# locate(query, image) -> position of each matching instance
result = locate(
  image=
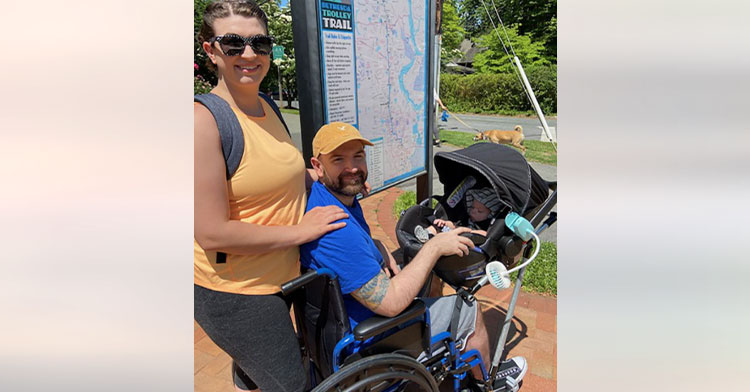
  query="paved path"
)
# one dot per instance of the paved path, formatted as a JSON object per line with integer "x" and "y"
{"x": 533, "y": 333}
{"x": 532, "y": 127}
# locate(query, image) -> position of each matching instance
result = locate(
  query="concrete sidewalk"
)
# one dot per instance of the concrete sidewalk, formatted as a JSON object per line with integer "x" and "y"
{"x": 533, "y": 333}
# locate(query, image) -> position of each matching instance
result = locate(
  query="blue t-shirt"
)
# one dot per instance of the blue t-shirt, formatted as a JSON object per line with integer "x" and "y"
{"x": 349, "y": 251}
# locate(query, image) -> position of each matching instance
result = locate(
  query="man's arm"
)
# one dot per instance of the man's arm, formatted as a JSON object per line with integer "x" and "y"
{"x": 389, "y": 297}
{"x": 389, "y": 262}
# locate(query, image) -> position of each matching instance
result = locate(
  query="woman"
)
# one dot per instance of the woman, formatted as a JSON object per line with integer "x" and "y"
{"x": 256, "y": 217}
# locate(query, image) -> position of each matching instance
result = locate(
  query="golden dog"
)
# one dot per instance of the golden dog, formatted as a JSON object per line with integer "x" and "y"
{"x": 514, "y": 138}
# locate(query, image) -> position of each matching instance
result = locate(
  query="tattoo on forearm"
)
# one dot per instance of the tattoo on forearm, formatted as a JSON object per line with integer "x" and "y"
{"x": 371, "y": 294}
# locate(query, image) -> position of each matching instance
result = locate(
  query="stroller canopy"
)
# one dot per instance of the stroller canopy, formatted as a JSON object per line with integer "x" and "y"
{"x": 516, "y": 183}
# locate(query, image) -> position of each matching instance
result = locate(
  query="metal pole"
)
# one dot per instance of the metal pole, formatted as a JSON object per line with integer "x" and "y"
{"x": 533, "y": 100}
{"x": 438, "y": 44}
{"x": 281, "y": 97}
{"x": 424, "y": 181}
{"x": 309, "y": 84}
{"x": 506, "y": 324}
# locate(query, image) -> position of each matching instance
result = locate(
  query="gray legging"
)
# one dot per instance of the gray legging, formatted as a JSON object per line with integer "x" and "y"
{"x": 257, "y": 332}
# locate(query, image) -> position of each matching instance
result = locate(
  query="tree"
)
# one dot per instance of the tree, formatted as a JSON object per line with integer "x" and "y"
{"x": 203, "y": 74}
{"x": 280, "y": 27}
{"x": 536, "y": 18}
{"x": 495, "y": 60}
{"x": 453, "y": 33}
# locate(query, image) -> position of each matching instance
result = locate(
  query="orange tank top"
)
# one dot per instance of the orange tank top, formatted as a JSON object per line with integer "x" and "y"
{"x": 267, "y": 189}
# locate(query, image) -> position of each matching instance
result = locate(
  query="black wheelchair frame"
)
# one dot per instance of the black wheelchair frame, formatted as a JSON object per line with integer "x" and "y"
{"x": 380, "y": 353}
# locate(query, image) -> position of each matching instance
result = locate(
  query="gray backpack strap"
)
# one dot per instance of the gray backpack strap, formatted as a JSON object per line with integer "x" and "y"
{"x": 232, "y": 139}
{"x": 230, "y": 132}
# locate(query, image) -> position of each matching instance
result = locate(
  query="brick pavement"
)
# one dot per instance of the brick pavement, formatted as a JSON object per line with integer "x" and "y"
{"x": 533, "y": 333}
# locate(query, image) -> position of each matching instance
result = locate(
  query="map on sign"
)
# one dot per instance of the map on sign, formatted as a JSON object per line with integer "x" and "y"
{"x": 374, "y": 56}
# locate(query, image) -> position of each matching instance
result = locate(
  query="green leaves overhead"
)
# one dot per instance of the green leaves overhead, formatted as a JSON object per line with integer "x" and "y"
{"x": 494, "y": 59}
{"x": 453, "y": 33}
{"x": 536, "y": 19}
{"x": 280, "y": 27}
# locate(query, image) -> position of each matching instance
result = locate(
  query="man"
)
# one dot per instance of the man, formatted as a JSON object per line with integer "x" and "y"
{"x": 369, "y": 276}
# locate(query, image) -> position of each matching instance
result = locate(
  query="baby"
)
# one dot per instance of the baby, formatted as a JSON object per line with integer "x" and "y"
{"x": 482, "y": 206}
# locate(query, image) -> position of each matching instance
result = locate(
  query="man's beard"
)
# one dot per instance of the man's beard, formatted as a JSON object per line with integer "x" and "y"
{"x": 347, "y": 185}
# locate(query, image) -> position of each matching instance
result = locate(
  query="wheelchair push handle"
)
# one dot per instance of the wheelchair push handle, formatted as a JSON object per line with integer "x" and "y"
{"x": 288, "y": 287}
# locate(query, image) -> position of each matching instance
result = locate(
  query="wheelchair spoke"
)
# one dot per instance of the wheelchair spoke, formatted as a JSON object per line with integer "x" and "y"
{"x": 380, "y": 373}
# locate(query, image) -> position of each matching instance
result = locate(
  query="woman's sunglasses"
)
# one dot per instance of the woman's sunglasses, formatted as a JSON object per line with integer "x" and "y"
{"x": 234, "y": 45}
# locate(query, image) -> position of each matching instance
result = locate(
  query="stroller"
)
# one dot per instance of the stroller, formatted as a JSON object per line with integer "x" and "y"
{"x": 520, "y": 190}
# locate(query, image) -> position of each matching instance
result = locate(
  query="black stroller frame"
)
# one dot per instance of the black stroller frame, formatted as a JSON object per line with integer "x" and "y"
{"x": 383, "y": 354}
{"x": 519, "y": 188}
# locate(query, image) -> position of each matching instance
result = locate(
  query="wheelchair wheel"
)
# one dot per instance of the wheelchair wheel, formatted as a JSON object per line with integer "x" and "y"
{"x": 391, "y": 372}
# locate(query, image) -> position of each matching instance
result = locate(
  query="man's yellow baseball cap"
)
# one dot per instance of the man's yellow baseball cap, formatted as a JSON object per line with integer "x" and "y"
{"x": 331, "y": 136}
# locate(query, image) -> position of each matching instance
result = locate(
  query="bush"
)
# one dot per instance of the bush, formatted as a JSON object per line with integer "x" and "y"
{"x": 500, "y": 93}
{"x": 200, "y": 85}
{"x": 200, "y": 59}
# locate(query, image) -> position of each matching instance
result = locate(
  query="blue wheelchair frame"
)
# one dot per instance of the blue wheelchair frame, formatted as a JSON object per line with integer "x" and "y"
{"x": 440, "y": 362}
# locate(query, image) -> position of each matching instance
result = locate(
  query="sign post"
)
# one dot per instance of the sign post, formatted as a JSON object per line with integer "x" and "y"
{"x": 369, "y": 64}
{"x": 278, "y": 55}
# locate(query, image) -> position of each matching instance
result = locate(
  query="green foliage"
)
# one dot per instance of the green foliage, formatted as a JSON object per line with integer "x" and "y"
{"x": 200, "y": 58}
{"x": 200, "y": 85}
{"x": 543, "y": 81}
{"x": 494, "y": 59}
{"x": 294, "y": 111}
{"x": 535, "y": 18}
{"x": 473, "y": 16}
{"x": 549, "y": 36}
{"x": 500, "y": 93}
{"x": 541, "y": 274}
{"x": 280, "y": 27}
{"x": 452, "y": 35}
{"x": 404, "y": 201}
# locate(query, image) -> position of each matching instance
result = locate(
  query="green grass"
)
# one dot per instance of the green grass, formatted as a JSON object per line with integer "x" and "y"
{"x": 541, "y": 274}
{"x": 404, "y": 201}
{"x": 536, "y": 151}
{"x": 290, "y": 111}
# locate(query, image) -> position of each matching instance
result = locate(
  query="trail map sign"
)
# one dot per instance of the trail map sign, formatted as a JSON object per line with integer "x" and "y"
{"x": 374, "y": 61}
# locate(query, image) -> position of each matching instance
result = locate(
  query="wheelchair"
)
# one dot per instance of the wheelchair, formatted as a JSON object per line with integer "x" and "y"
{"x": 399, "y": 353}
{"x": 380, "y": 353}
